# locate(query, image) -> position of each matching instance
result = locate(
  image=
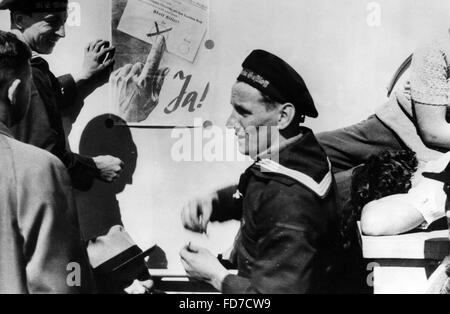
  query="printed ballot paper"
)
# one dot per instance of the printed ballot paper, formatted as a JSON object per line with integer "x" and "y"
{"x": 182, "y": 22}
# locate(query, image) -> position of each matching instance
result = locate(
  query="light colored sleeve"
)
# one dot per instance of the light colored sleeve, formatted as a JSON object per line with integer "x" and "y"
{"x": 428, "y": 197}
{"x": 429, "y": 75}
{"x": 55, "y": 259}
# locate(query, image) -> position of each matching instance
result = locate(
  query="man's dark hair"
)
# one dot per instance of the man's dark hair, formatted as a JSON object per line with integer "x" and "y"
{"x": 383, "y": 175}
{"x": 14, "y": 57}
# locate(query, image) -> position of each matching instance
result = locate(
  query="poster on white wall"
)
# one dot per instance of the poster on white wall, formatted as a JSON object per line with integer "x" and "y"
{"x": 182, "y": 89}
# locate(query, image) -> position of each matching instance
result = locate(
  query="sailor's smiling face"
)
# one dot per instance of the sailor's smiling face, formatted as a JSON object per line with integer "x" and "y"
{"x": 41, "y": 31}
{"x": 252, "y": 120}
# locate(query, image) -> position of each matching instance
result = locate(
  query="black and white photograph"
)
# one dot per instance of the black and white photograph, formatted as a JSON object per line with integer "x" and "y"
{"x": 225, "y": 152}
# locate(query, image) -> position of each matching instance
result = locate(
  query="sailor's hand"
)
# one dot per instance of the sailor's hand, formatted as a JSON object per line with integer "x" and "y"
{"x": 196, "y": 214}
{"x": 109, "y": 168}
{"x": 136, "y": 88}
{"x": 140, "y": 287}
{"x": 201, "y": 264}
{"x": 98, "y": 63}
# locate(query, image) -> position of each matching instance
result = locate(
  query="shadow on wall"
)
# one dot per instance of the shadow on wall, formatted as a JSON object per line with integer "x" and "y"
{"x": 99, "y": 209}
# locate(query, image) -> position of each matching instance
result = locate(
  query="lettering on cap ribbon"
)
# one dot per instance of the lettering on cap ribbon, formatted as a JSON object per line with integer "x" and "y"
{"x": 258, "y": 79}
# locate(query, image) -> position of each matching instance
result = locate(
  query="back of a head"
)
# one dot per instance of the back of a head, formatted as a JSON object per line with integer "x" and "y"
{"x": 383, "y": 175}
{"x": 14, "y": 58}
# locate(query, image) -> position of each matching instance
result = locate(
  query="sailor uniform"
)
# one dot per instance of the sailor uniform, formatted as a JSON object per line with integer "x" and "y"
{"x": 42, "y": 126}
{"x": 289, "y": 236}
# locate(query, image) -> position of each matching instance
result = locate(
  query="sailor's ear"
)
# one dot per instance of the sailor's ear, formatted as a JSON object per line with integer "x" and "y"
{"x": 13, "y": 91}
{"x": 19, "y": 20}
{"x": 286, "y": 116}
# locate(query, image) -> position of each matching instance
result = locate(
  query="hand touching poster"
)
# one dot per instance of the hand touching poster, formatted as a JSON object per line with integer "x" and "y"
{"x": 135, "y": 88}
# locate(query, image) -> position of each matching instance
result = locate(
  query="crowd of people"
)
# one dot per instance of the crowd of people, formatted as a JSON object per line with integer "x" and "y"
{"x": 299, "y": 203}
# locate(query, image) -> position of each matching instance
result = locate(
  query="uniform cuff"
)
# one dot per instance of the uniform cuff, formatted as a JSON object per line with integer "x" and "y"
{"x": 233, "y": 284}
{"x": 429, "y": 214}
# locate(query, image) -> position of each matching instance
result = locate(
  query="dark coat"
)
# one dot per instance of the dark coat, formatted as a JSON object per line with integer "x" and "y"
{"x": 289, "y": 237}
{"x": 43, "y": 127}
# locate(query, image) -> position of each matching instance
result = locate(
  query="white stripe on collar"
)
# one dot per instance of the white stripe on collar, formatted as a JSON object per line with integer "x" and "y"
{"x": 35, "y": 55}
{"x": 320, "y": 188}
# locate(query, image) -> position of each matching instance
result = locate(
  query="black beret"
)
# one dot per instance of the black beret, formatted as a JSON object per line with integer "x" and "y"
{"x": 275, "y": 78}
{"x": 34, "y": 5}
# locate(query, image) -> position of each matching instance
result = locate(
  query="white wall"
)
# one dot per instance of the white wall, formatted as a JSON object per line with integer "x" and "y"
{"x": 345, "y": 62}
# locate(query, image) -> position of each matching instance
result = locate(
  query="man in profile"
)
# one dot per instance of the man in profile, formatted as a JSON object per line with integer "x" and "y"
{"x": 40, "y": 241}
{"x": 41, "y": 24}
{"x": 289, "y": 237}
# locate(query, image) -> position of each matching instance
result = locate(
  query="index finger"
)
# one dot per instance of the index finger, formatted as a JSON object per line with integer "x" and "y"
{"x": 193, "y": 214}
{"x": 193, "y": 248}
{"x": 92, "y": 44}
{"x": 102, "y": 44}
{"x": 154, "y": 58}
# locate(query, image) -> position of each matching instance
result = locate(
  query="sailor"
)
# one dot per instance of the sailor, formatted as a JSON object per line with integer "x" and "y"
{"x": 40, "y": 24}
{"x": 286, "y": 200}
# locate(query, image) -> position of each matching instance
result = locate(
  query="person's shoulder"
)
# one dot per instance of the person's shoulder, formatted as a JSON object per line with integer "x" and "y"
{"x": 316, "y": 181}
{"x": 438, "y": 45}
{"x": 443, "y": 42}
{"x": 294, "y": 205}
{"x": 33, "y": 159}
{"x": 39, "y": 63}
{"x": 297, "y": 192}
{"x": 40, "y": 72}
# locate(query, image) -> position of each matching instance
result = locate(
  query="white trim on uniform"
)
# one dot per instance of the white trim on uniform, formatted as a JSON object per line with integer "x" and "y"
{"x": 320, "y": 188}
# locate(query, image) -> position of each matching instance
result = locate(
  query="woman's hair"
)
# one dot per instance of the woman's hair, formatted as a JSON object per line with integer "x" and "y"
{"x": 385, "y": 174}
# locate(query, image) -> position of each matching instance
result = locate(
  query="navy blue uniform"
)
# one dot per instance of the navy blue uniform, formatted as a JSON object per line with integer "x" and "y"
{"x": 289, "y": 239}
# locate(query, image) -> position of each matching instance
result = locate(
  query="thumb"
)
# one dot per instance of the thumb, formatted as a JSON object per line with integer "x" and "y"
{"x": 148, "y": 284}
{"x": 192, "y": 248}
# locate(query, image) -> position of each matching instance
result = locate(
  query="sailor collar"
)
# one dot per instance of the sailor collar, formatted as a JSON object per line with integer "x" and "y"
{"x": 298, "y": 162}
